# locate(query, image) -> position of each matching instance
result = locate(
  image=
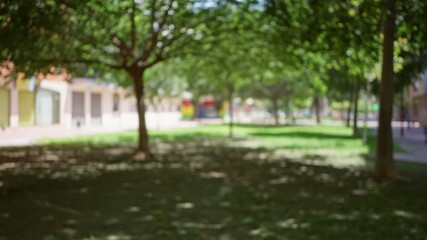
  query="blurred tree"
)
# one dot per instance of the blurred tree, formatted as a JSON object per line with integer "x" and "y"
{"x": 163, "y": 83}
{"x": 190, "y": 69}
{"x": 279, "y": 83}
{"x": 404, "y": 21}
{"x": 123, "y": 36}
{"x": 30, "y": 32}
{"x": 224, "y": 65}
{"x": 350, "y": 35}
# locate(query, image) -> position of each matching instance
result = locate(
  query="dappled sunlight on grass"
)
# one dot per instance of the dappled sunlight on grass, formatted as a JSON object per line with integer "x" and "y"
{"x": 322, "y": 145}
{"x": 202, "y": 187}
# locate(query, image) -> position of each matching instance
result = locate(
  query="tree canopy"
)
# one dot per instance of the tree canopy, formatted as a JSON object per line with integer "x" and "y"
{"x": 328, "y": 48}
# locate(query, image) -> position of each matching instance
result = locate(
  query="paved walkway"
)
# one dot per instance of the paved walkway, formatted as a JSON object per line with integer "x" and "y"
{"x": 413, "y": 142}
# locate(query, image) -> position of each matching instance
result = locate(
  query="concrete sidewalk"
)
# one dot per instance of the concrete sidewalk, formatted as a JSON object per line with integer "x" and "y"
{"x": 413, "y": 142}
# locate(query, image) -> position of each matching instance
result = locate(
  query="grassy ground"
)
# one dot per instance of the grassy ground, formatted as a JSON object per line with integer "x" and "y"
{"x": 267, "y": 183}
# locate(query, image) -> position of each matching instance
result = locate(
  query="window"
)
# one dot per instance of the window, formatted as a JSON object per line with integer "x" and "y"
{"x": 116, "y": 102}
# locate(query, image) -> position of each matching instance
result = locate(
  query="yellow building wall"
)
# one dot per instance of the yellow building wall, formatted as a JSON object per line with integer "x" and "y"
{"x": 22, "y": 84}
{"x": 4, "y": 107}
{"x": 26, "y": 108}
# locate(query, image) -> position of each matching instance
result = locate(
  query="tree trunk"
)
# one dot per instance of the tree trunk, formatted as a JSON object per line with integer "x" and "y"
{"x": 384, "y": 164}
{"x": 196, "y": 107}
{"x": 288, "y": 112}
{"x": 143, "y": 147}
{"x": 402, "y": 114}
{"x": 356, "y": 108}
{"x": 275, "y": 110}
{"x": 316, "y": 103}
{"x": 349, "y": 109}
{"x": 365, "y": 113}
{"x": 293, "y": 119}
{"x": 219, "y": 104}
{"x": 230, "y": 111}
{"x": 156, "y": 108}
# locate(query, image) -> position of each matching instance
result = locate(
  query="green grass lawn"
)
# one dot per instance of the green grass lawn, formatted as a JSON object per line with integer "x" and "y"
{"x": 305, "y": 138}
{"x": 267, "y": 183}
{"x": 314, "y": 144}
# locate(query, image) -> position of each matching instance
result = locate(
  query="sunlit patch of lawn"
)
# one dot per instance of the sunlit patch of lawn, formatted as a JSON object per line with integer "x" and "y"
{"x": 319, "y": 145}
{"x": 294, "y": 137}
{"x": 325, "y": 145}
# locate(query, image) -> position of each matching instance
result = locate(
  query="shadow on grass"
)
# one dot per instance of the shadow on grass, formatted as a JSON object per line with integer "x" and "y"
{"x": 314, "y": 157}
{"x": 257, "y": 126}
{"x": 102, "y": 141}
{"x": 304, "y": 134}
{"x": 203, "y": 188}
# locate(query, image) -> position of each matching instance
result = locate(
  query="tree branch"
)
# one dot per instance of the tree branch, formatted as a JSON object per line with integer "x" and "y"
{"x": 133, "y": 26}
{"x": 155, "y": 34}
{"x": 124, "y": 50}
{"x": 159, "y": 57}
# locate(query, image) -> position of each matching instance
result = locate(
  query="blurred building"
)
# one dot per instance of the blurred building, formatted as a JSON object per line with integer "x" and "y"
{"x": 79, "y": 102}
{"x": 418, "y": 98}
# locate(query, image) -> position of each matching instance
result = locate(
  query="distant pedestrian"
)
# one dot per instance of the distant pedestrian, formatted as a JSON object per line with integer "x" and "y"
{"x": 408, "y": 118}
{"x": 423, "y": 122}
{"x": 425, "y": 133}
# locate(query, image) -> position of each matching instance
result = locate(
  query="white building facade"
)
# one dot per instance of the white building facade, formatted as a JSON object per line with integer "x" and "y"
{"x": 79, "y": 103}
